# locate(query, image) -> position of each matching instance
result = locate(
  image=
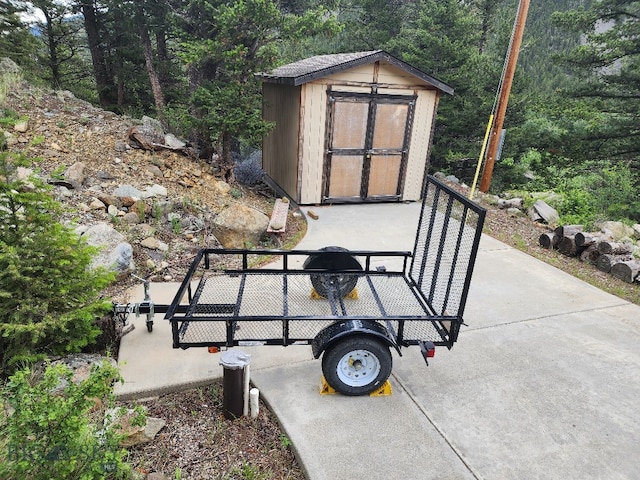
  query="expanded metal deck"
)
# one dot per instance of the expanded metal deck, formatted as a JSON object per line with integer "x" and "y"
{"x": 420, "y": 298}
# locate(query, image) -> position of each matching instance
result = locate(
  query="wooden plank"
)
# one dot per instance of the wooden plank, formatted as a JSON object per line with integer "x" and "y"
{"x": 278, "y": 221}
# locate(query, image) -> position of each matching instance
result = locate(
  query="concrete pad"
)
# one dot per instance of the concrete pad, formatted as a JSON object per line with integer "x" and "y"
{"x": 339, "y": 437}
{"x": 543, "y": 383}
{"x": 510, "y": 286}
{"x": 150, "y": 366}
{"x": 384, "y": 226}
{"x": 554, "y": 397}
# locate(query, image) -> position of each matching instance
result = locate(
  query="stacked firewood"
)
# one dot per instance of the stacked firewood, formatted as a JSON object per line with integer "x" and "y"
{"x": 597, "y": 248}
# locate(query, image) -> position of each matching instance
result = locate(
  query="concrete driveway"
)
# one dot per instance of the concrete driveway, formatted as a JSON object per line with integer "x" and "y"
{"x": 543, "y": 383}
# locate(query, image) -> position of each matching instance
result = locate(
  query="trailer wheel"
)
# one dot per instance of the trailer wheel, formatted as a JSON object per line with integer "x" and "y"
{"x": 357, "y": 365}
{"x": 342, "y": 283}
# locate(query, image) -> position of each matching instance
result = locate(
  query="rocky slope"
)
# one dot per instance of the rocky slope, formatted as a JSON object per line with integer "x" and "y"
{"x": 152, "y": 208}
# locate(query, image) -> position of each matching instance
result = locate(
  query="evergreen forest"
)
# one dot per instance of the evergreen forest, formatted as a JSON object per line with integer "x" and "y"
{"x": 571, "y": 126}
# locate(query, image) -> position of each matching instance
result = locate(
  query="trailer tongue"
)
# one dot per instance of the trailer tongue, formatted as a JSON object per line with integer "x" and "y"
{"x": 352, "y": 307}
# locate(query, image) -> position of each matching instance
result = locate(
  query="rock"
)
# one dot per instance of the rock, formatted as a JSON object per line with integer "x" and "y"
{"x": 97, "y": 205}
{"x": 155, "y": 190}
{"x": 80, "y": 365}
{"x": 9, "y": 66}
{"x": 636, "y": 229}
{"x": 121, "y": 259}
{"x": 110, "y": 200}
{"x": 10, "y": 139}
{"x": 102, "y": 175}
{"x": 127, "y": 191}
{"x": 452, "y": 179}
{"x": 23, "y": 174}
{"x": 173, "y": 142}
{"x": 153, "y": 243}
{"x": 617, "y": 230}
{"x": 120, "y": 147}
{"x": 546, "y": 212}
{"x": 222, "y": 188}
{"x": 131, "y": 218}
{"x": 239, "y": 226}
{"x": 134, "y": 434}
{"x": 514, "y": 211}
{"x": 112, "y": 253}
{"x": 154, "y": 170}
{"x": 152, "y": 124}
{"x": 113, "y": 210}
{"x": 21, "y": 127}
{"x": 75, "y": 175}
{"x": 156, "y": 476}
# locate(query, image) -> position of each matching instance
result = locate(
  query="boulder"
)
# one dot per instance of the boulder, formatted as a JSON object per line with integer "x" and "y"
{"x": 114, "y": 250}
{"x": 617, "y": 230}
{"x": 8, "y": 66}
{"x": 75, "y": 175}
{"x": 548, "y": 214}
{"x": 134, "y": 434}
{"x": 81, "y": 364}
{"x": 239, "y": 226}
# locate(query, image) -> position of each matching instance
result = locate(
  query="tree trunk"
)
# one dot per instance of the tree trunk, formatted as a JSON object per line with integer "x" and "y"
{"x": 567, "y": 246}
{"x": 606, "y": 261}
{"x": 626, "y": 271}
{"x": 104, "y": 82}
{"x": 568, "y": 230}
{"x": 156, "y": 88}
{"x": 613, "y": 248}
{"x": 587, "y": 239}
{"x": 590, "y": 255}
{"x": 226, "y": 159}
{"x": 53, "y": 54}
{"x": 548, "y": 240}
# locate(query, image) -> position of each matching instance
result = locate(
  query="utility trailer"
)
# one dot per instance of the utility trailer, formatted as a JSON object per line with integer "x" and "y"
{"x": 349, "y": 306}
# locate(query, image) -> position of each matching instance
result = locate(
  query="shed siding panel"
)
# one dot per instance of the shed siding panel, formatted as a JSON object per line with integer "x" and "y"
{"x": 280, "y": 146}
{"x": 314, "y": 116}
{"x": 420, "y": 143}
{"x": 387, "y": 75}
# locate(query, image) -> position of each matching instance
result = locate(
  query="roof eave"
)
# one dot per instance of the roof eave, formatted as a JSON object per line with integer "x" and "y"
{"x": 374, "y": 57}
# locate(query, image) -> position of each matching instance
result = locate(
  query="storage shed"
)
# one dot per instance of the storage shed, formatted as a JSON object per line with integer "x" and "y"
{"x": 349, "y": 127}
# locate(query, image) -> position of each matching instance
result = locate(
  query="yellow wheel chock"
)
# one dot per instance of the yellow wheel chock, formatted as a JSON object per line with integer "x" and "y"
{"x": 384, "y": 390}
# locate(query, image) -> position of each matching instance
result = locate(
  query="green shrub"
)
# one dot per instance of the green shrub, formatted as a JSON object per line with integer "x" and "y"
{"x": 53, "y": 428}
{"x": 49, "y": 297}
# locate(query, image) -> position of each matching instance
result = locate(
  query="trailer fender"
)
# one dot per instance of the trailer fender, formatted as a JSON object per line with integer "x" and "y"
{"x": 343, "y": 329}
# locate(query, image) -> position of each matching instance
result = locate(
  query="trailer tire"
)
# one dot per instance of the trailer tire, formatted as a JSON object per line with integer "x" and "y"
{"x": 342, "y": 283}
{"x": 357, "y": 365}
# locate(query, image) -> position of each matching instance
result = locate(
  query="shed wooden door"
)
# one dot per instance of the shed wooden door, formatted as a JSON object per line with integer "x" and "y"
{"x": 367, "y": 141}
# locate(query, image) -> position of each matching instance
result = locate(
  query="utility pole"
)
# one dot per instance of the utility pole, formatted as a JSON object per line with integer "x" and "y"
{"x": 503, "y": 100}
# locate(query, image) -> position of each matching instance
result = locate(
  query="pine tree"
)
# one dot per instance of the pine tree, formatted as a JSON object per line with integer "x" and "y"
{"x": 49, "y": 297}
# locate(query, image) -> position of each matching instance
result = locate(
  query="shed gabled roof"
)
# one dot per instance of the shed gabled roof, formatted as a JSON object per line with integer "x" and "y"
{"x": 312, "y": 68}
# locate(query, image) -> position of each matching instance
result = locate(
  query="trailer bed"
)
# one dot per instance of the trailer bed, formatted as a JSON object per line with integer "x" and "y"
{"x": 414, "y": 296}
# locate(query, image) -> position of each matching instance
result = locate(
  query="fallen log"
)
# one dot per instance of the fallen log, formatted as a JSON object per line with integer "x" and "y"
{"x": 548, "y": 240}
{"x": 614, "y": 248}
{"x": 510, "y": 203}
{"x": 590, "y": 254}
{"x": 606, "y": 261}
{"x": 626, "y": 271}
{"x": 567, "y": 246}
{"x": 586, "y": 239}
{"x": 565, "y": 230}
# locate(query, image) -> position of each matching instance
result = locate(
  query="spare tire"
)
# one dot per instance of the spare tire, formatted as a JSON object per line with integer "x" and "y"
{"x": 333, "y": 259}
